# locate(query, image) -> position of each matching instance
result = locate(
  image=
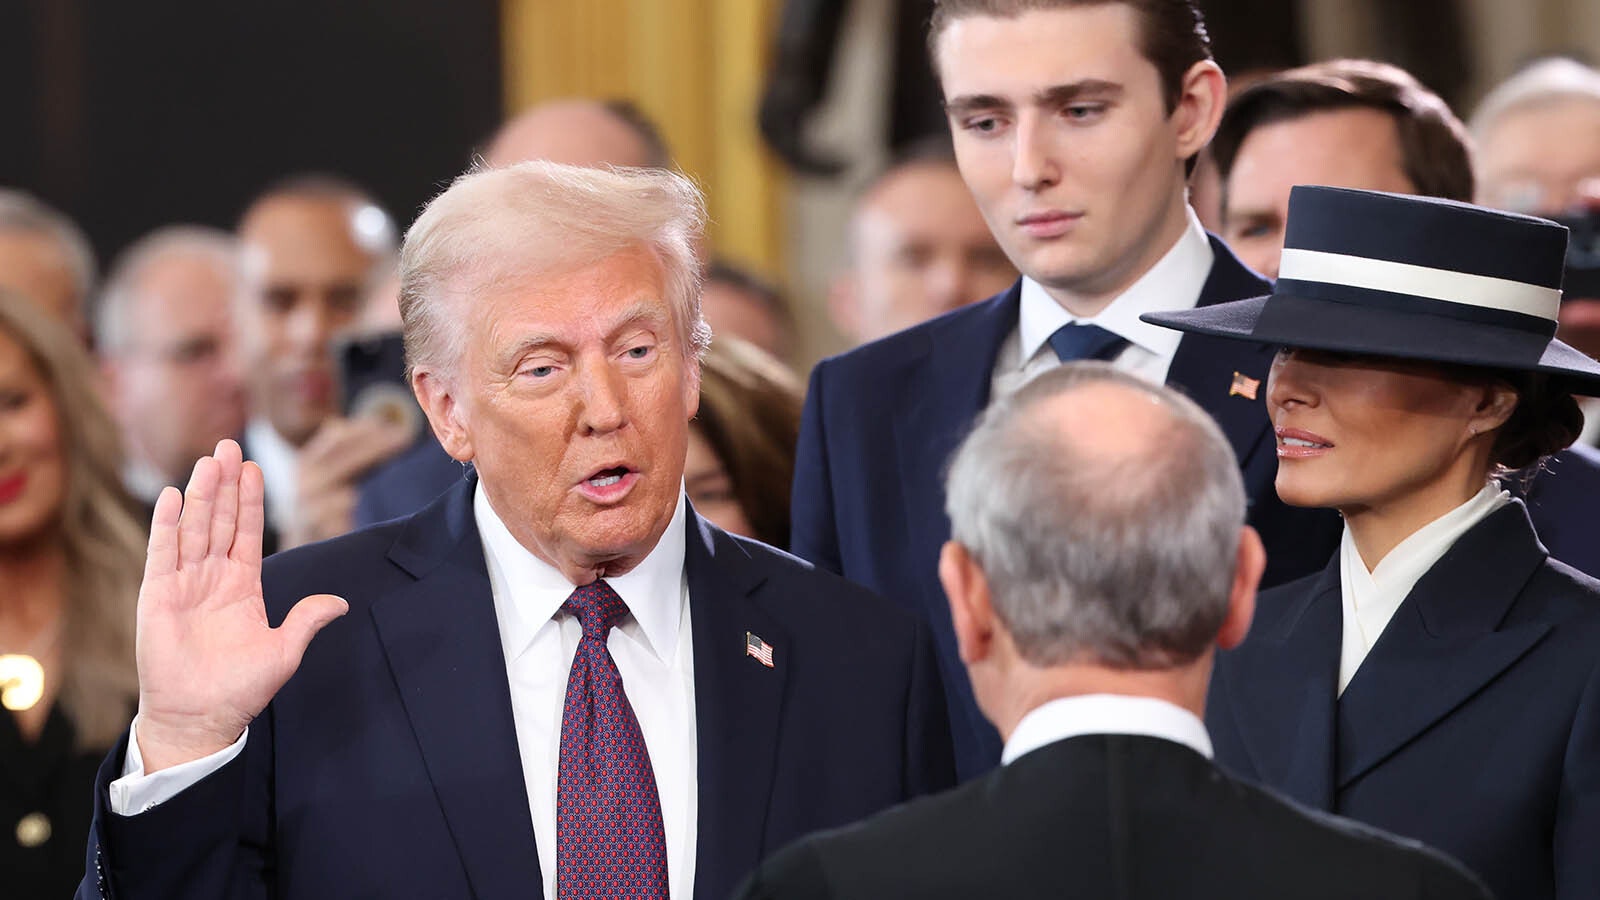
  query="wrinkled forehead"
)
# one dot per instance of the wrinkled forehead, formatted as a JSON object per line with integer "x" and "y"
{"x": 629, "y": 283}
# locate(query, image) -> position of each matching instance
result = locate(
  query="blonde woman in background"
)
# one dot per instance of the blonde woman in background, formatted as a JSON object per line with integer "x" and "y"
{"x": 71, "y": 554}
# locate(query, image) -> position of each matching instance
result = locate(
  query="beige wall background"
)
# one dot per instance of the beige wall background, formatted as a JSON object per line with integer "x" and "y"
{"x": 697, "y": 67}
{"x": 694, "y": 66}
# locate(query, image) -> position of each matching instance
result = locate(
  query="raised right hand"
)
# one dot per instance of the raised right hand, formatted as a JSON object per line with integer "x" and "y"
{"x": 208, "y": 661}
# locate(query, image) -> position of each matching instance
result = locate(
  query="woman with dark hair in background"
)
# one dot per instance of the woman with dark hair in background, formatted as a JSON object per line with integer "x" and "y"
{"x": 742, "y": 442}
{"x": 1441, "y": 678}
{"x": 71, "y": 554}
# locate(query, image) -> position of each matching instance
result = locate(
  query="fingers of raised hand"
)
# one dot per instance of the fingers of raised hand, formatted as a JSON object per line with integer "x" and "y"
{"x": 225, "y": 512}
{"x": 199, "y": 503}
{"x": 162, "y": 554}
{"x": 252, "y": 516}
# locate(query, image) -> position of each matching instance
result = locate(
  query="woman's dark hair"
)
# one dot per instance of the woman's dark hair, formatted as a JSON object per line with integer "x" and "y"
{"x": 1546, "y": 420}
{"x": 750, "y": 415}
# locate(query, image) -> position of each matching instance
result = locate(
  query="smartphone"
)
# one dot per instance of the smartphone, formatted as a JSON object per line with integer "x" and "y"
{"x": 372, "y": 380}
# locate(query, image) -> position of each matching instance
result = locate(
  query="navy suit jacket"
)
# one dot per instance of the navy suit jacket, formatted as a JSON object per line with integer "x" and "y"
{"x": 881, "y": 422}
{"x": 1473, "y": 725}
{"x": 1564, "y": 503}
{"x": 407, "y": 483}
{"x": 388, "y": 765}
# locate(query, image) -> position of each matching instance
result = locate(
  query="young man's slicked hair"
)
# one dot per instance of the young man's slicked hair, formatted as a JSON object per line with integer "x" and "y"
{"x": 1172, "y": 33}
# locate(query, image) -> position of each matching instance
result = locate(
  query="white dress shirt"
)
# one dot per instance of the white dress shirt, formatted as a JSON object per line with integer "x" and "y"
{"x": 280, "y": 470}
{"x": 653, "y": 649}
{"x": 1370, "y": 599}
{"x": 654, "y": 652}
{"x": 1172, "y": 284}
{"x": 1069, "y": 717}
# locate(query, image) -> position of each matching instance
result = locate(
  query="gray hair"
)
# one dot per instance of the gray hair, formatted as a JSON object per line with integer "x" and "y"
{"x": 1126, "y": 560}
{"x": 21, "y": 211}
{"x": 1543, "y": 82}
{"x": 536, "y": 217}
{"x": 117, "y": 311}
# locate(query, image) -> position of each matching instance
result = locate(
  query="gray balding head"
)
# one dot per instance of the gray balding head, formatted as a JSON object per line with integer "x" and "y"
{"x": 117, "y": 318}
{"x": 580, "y": 132}
{"x": 1106, "y": 515}
{"x": 22, "y": 213}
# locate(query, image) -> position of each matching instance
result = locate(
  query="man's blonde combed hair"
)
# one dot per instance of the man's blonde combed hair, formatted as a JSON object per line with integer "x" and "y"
{"x": 541, "y": 218}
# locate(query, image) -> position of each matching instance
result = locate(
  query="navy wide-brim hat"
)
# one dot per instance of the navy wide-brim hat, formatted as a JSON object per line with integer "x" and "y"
{"x": 1411, "y": 277}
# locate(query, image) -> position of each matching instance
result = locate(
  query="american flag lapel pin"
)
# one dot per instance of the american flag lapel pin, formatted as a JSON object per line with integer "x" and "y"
{"x": 757, "y": 648}
{"x": 1244, "y": 386}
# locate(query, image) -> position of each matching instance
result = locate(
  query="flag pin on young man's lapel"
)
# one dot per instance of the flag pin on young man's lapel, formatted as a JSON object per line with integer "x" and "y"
{"x": 757, "y": 648}
{"x": 1244, "y": 386}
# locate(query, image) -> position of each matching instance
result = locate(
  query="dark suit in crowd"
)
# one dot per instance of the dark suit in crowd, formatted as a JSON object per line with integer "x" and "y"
{"x": 388, "y": 766}
{"x": 1561, "y": 501}
{"x": 407, "y": 483}
{"x": 1473, "y": 725}
{"x": 1103, "y": 816}
{"x": 881, "y": 421}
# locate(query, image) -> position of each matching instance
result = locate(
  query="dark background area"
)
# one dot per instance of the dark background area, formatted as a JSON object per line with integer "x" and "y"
{"x": 132, "y": 115}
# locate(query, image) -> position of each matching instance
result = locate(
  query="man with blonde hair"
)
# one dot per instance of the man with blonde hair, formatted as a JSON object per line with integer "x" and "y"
{"x": 557, "y": 680}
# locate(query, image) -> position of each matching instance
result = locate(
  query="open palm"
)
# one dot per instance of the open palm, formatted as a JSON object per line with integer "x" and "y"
{"x": 208, "y": 660}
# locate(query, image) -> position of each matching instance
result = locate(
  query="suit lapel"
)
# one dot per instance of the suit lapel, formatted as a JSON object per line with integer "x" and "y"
{"x": 738, "y": 706}
{"x": 946, "y": 390}
{"x": 1204, "y": 367}
{"x": 442, "y": 640}
{"x": 1285, "y": 682}
{"x": 1443, "y": 644}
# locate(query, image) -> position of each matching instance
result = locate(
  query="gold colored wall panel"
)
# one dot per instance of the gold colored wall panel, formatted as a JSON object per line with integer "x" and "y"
{"x": 694, "y": 66}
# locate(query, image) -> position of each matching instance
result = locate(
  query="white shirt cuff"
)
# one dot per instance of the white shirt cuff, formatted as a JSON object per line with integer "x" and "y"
{"x": 135, "y": 792}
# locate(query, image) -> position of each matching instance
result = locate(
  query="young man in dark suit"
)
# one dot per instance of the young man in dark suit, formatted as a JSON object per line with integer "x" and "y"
{"x": 1099, "y": 558}
{"x": 1075, "y": 125}
{"x": 557, "y": 662}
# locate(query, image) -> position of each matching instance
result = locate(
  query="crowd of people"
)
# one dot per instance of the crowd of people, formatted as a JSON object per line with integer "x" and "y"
{"x": 1141, "y": 547}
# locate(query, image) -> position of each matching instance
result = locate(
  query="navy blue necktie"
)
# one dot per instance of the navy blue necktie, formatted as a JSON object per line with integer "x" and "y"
{"x": 1073, "y": 341}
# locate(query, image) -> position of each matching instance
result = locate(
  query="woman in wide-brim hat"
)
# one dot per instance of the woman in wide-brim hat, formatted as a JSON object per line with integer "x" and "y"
{"x": 1441, "y": 678}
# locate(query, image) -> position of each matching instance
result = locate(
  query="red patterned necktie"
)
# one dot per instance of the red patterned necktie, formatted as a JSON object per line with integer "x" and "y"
{"x": 610, "y": 842}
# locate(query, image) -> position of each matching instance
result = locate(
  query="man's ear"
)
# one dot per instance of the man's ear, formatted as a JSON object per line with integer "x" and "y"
{"x": 1250, "y": 562}
{"x": 967, "y": 589}
{"x": 1203, "y": 94}
{"x": 438, "y": 401}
